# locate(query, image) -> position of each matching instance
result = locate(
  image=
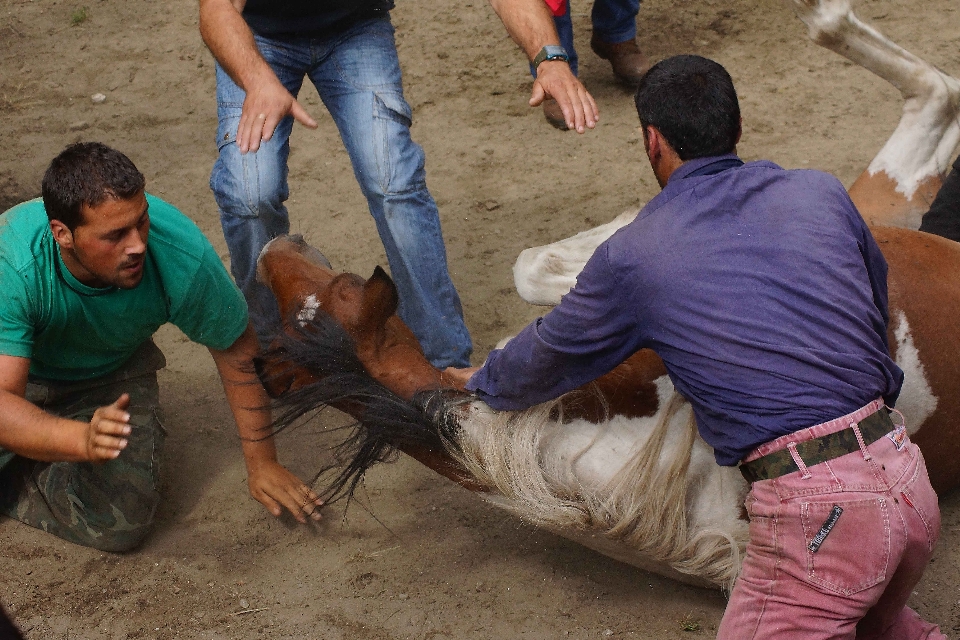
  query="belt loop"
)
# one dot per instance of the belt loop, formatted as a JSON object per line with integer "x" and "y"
{"x": 805, "y": 473}
{"x": 863, "y": 446}
{"x": 903, "y": 421}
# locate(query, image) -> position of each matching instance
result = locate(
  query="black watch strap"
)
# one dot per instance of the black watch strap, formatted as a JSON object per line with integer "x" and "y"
{"x": 551, "y": 52}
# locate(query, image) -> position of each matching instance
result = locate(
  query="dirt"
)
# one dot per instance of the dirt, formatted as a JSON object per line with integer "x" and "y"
{"x": 415, "y": 556}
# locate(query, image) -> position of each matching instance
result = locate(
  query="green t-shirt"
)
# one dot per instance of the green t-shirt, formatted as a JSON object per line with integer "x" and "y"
{"x": 74, "y": 332}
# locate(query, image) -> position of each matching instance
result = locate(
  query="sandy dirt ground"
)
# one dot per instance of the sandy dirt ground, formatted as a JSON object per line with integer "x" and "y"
{"x": 415, "y": 556}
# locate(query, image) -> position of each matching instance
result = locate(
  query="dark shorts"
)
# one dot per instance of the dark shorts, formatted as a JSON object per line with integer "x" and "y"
{"x": 943, "y": 218}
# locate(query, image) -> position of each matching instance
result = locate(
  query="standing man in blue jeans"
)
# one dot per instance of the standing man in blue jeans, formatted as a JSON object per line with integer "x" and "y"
{"x": 614, "y": 39}
{"x": 263, "y": 50}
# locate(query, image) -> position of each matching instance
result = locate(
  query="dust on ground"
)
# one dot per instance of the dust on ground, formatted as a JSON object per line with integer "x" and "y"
{"x": 415, "y": 556}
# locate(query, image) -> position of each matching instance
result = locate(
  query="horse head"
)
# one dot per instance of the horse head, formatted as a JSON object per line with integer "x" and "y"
{"x": 341, "y": 344}
{"x": 307, "y": 288}
{"x": 609, "y": 465}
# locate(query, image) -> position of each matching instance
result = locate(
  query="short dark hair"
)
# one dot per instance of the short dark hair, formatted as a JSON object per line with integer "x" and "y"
{"x": 692, "y": 103}
{"x": 87, "y": 173}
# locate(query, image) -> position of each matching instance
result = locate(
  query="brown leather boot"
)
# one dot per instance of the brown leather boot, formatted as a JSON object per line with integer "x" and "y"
{"x": 553, "y": 114}
{"x": 628, "y": 62}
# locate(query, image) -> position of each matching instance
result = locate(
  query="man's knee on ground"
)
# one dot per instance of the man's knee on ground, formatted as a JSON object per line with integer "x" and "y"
{"x": 121, "y": 541}
{"x": 121, "y": 530}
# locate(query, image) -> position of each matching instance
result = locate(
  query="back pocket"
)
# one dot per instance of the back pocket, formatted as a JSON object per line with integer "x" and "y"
{"x": 855, "y": 553}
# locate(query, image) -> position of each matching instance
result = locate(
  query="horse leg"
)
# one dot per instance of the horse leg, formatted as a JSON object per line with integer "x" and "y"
{"x": 901, "y": 181}
{"x": 542, "y": 275}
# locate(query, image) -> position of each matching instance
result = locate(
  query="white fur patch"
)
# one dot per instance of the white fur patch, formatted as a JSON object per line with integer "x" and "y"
{"x": 309, "y": 310}
{"x": 916, "y": 402}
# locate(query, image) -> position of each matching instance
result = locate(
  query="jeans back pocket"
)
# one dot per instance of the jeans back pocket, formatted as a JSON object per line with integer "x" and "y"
{"x": 850, "y": 551}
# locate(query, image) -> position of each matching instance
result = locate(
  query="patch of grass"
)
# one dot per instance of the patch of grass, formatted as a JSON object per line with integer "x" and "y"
{"x": 79, "y": 16}
{"x": 689, "y": 624}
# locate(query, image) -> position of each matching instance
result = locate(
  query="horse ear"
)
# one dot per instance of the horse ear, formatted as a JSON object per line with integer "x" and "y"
{"x": 380, "y": 299}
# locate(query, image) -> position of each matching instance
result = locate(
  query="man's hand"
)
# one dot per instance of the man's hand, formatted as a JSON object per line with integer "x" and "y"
{"x": 267, "y": 102}
{"x": 530, "y": 24}
{"x": 276, "y": 488}
{"x": 555, "y": 80}
{"x": 110, "y": 425}
{"x": 270, "y": 483}
{"x": 458, "y": 377}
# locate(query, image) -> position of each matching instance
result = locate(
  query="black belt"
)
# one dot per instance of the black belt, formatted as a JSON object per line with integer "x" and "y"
{"x": 828, "y": 447}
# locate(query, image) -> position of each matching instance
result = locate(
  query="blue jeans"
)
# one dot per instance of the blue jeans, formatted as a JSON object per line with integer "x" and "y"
{"x": 357, "y": 74}
{"x": 613, "y": 21}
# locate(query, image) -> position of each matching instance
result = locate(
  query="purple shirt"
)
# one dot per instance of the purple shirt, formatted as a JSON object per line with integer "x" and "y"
{"x": 761, "y": 289}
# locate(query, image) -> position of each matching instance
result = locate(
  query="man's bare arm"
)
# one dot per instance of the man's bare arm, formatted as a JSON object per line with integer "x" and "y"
{"x": 269, "y": 481}
{"x": 33, "y": 433}
{"x": 530, "y": 24}
{"x": 267, "y": 102}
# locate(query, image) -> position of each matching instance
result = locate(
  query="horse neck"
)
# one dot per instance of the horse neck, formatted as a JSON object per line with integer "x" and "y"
{"x": 405, "y": 374}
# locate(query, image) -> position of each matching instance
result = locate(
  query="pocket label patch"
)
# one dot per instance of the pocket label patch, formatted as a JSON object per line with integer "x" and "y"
{"x": 825, "y": 529}
{"x": 898, "y": 437}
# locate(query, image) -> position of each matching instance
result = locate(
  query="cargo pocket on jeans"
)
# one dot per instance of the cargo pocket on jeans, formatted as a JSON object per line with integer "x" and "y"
{"x": 227, "y": 130}
{"x": 853, "y": 553}
{"x": 398, "y": 158}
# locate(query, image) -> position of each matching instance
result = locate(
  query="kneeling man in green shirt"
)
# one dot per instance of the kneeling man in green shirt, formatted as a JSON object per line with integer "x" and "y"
{"x": 87, "y": 275}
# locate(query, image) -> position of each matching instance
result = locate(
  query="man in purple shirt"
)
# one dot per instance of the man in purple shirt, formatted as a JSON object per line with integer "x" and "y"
{"x": 765, "y": 295}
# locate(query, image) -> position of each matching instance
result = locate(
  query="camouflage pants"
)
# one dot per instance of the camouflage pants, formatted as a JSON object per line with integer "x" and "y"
{"x": 109, "y": 506}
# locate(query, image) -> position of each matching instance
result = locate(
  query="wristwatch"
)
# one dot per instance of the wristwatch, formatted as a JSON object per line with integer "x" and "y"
{"x": 551, "y": 52}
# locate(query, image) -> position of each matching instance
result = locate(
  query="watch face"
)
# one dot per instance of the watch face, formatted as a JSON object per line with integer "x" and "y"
{"x": 551, "y": 52}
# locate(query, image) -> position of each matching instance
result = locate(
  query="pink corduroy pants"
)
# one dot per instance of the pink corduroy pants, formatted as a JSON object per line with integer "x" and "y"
{"x": 855, "y": 584}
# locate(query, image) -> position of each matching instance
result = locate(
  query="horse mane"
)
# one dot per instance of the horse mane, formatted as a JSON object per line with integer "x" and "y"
{"x": 643, "y": 506}
{"x": 384, "y": 421}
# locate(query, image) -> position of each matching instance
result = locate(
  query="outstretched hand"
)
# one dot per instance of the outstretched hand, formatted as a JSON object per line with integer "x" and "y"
{"x": 458, "y": 377}
{"x": 555, "y": 80}
{"x": 108, "y": 430}
{"x": 265, "y": 105}
{"x": 277, "y": 489}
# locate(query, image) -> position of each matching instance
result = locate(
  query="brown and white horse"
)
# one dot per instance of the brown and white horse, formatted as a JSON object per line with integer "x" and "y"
{"x": 619, "y": 466}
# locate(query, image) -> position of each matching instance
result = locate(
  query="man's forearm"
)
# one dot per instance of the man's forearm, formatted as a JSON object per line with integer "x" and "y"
{"x": 585, "y": 336}
{"x": 248, "y": 401}
{"x": 33, "y": 433}
{"x": 528, "y": 22}
{"x": 270, "y": 483}
{"x": 230, "y": 40}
